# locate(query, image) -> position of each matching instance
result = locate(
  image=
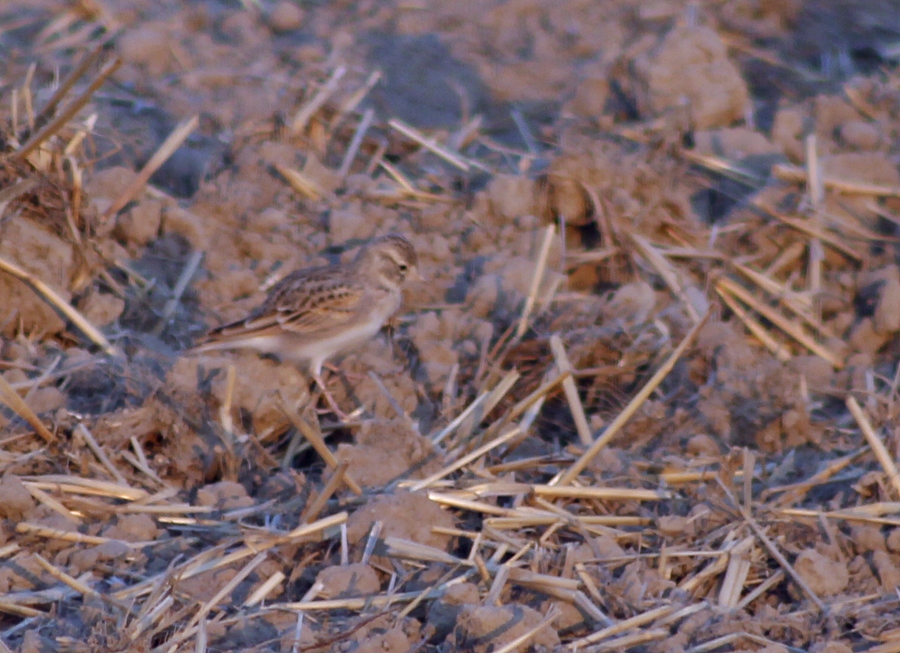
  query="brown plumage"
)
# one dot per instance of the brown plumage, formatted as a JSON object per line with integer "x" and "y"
{"x": 315, "y": 313}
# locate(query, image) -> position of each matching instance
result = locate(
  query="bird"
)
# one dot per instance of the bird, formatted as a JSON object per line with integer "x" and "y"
{"x": 315, "y": 313}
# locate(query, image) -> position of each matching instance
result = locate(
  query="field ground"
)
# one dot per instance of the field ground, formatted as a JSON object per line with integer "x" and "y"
{"x": 646, "y": 398}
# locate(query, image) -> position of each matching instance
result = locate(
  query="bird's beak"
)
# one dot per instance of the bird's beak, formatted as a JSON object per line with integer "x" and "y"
{"x": 415, "y": 275}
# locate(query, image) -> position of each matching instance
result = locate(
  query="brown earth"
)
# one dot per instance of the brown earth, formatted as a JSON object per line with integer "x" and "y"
{"x": 707, "y": 192}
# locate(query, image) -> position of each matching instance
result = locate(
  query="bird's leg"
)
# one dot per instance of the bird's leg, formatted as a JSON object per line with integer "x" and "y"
{"x": 351, "y": 376}
{"x": 329, "y": 399}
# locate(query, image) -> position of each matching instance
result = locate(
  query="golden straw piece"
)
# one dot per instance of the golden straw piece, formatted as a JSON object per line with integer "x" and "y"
{"x": 667, "y": 271}
{"x": 625, "y": 625}
{"x": 302, "y": 117}
{"x": 571, "y": 391}
{"x": 300, "y": 182}
{"x": 465, "y": 460}
{"x": 51, "y": 297}
{"x": 528, "y": 635}
{"x": 429, "y": 144}
{"x": 578, "y": 466}
{"x": 790, "y": 328}
{"x": 881, "y": 453}
{"x": 318, "y": 443}
{"x": 599, "y": 493}
{"x": 69, "y": 112}
{"x": 539, "y": 267}
{"x": 778, "y": 349}
{"x": 12, "y": 399}
{"x": 172, "y": 143}
{"x": 799, "y": 175}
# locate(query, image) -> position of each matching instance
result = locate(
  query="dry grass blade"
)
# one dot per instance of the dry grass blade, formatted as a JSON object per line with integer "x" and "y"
{"x": 539, "y": 394}
{"x": 761, "y": 589}
{"x": 68, "y": 536}
{"x": 318, "y": 443}
{"x": 501, "y": 576}
{"x": 302, "y": 117}
{"x": 814, "y": 184}
{"x": 202, "y": 637}
{"x": 599, "y": 493}
{"x": 358, "y": 96}
{"x": 725, "y": 167}
{"x": 666, "y": 270}
{"x": 811, "y": 229}
{"x": 400, "y": 548}
{"x": 571, "y": 391}
{"x": 300, "y": 182}
{"x": 317, "y": 527}
{"x": 529, "y": 634}
{"x": 71, "y": 581}
{"x": 337, "y": 479}
{"x": 536, "y": 279}
{"x": 485, "y": 398}
{"x": 715, "y": 643}
{"x": 467, "y": 504}
{"x": 799, "y": 304}
{"x": 152, "y": 611}
{"x": 68, "y": 113}
{"x": 19, "y": 406}
{"x": 881, "y": 453}
{"x": 42, "y": 497}
{"x": 153, "y": 587}
{"x": 407, "y": 189}
{"x": 53, "y": 298}
{"x": 358, "y": 137}
{"x": 578, "y": 466}
{"x": 82, "y": 430}
{"x": 792, "y": 329}
{"x": 19, "y": 611}
{"x": 798, "y": 175}
{"x": 361, "y": 603}
{"x": 43, "y": 597}
{"x": 629, "y": 641}
{"x": 429, "y": 144}
{"x": 773, "y": 550}
{"x": 574, "y": 259}
{"x": 90, "y": 486}
{"x": 259, "y": 595}
{"x": 68, "y": 83}
{"x": 736, "y": 573}
{"x": 627, "y": 624}
{"x": 226, "y": 589}
{"x": 778, "y": 349}
{"x": 549, "y": 519}
{"x": 465, "y": 460}
{"x": 695, "y": 582}
{"x": 794, "y": 492}
{"x": 181, "y": 285}
{"x": 168, "y": 147}
{"x": 544, "y": 582}
{"x": 788, "y": 256}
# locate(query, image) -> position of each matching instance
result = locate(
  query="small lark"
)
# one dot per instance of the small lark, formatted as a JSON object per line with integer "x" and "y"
{"x": 315, "y": 313}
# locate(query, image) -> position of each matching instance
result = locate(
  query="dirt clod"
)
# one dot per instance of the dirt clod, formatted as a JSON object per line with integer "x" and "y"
{"x": 483, "y": 628}
{"x": 824, "y": 576}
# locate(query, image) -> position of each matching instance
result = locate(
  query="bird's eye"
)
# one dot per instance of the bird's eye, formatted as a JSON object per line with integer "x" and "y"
{"x": 404, "y": 268}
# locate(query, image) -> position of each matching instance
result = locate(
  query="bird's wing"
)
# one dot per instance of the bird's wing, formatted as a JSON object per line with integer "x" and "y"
{"x": 306, "y": 302}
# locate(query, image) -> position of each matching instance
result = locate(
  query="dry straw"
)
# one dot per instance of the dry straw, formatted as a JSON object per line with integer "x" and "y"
{"x": 540, "y": 525}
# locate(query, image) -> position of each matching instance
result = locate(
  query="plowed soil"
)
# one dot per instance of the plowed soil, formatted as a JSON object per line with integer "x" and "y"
{"x": 645, "y": 397}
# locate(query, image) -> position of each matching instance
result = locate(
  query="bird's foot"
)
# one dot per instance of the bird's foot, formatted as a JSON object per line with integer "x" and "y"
{"x": 333, "y": 407}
